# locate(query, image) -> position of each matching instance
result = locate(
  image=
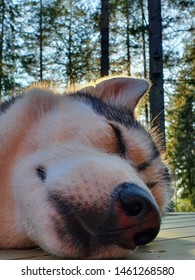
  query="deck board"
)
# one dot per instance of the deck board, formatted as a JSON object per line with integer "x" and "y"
{"x": 175, "y": 241}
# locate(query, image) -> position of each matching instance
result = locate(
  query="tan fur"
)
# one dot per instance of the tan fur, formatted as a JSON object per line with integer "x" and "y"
{"x": 79, "y": 149}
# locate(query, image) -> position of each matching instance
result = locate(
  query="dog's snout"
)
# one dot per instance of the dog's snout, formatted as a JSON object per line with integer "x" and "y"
{"x": 137, "y": 218}
{"x": 131, "y": 218}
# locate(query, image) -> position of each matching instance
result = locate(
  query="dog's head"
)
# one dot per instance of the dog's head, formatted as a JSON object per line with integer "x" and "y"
{"x": 89, "y": 181}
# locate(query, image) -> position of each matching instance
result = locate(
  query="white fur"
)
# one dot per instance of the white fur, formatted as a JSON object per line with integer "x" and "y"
{"x": 76, "y": 147}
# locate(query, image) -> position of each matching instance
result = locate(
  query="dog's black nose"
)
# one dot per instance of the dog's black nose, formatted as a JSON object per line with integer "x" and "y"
{"x": 136, "y": 216}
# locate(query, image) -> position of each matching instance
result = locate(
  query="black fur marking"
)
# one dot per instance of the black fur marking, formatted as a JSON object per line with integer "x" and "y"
{"x": 156, "y": 152}
{"x": 71, "y": 224}
{"x": 112, "y": 113}
{"x": 143, "y": 166}
{"x": 151, "y": 185}
{"x": 120, "y": 140}
{"x": 4, "y": 106}
{"x": 167, "y": 175}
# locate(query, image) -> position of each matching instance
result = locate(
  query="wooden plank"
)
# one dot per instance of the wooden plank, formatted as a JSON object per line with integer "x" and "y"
{"x": 176, "y": 249}
{"x": 175, "y": 241}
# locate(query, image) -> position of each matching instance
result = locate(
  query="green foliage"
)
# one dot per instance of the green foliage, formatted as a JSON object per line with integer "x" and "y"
{"x": 69, "y": 32}
{"x": 180, "y": 132}
{"x": 8, "y": 46}
{"x": 186, "y": 204}
{"x": 48, "y": 40}
{"x": 127, "y": 26}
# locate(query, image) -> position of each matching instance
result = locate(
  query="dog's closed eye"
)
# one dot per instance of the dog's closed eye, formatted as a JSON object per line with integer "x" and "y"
{"x": 41, "y": 173}
{"x": 120, "y": 140}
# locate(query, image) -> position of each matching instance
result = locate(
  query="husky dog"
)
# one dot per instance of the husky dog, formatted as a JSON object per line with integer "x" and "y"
{"x": 79, "y": 175}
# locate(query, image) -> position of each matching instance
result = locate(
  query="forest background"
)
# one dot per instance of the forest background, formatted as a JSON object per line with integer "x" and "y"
{"x": 65, "y": 42}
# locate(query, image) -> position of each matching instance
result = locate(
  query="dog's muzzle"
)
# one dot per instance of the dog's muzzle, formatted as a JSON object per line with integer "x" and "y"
{"x": 132, "y": 219}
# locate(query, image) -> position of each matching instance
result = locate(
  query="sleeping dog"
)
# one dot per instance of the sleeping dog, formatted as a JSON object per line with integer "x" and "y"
{"x": 79, "y": 175}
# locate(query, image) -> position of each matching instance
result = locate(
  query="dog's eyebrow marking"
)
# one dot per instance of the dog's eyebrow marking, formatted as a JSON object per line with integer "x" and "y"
{"x": 120, "y": 140}
{"x": 143, "y": 166}
{"x": 4, "y": 106}
{"x": 150, "y": 185}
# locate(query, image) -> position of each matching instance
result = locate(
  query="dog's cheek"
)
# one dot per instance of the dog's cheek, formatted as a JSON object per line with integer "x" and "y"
{"x": 30, "y": 198}
{"x": 35, "y": 215}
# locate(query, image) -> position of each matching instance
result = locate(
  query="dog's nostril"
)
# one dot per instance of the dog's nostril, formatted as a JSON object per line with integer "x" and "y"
{"x": 145, "y": 236}
{"x": 41, "y": 173}
{"x": 132, "y": 201}
{"x": 133, "y": 208}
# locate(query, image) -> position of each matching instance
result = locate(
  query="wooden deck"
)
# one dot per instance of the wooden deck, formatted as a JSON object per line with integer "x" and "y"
{"x": 176, "y": 241}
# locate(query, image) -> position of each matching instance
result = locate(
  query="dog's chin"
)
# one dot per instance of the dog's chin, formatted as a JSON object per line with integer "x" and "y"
{"x": 80, "y": 252}
{"x": 111, "y": 252}
{"x": 61, "y": 242}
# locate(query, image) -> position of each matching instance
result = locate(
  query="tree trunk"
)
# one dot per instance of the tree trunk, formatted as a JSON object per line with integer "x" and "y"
{"x": 156, "y": 97}
{"x": 143, "y": 39}
{"x": 144, "y": 57}
{"x": 1, "y": 45}
{"x": 104, "y": 30}
{"x": 127, "y": 2}
{"x": 41, "y": 42}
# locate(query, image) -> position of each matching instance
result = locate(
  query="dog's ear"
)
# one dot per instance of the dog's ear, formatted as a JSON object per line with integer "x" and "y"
{"x": 121, "y": 91}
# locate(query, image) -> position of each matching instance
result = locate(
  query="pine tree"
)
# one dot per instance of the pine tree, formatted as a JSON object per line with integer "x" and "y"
{"x": 36, "y": 33}
{"x": 74, "y": 41}
{"x": 8, "y": 46}
{"x": 181, "y": 136}
{"x": 104, "y": 31}
{"x": 127, "y": 27}
{"x": 178, "y": 23}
